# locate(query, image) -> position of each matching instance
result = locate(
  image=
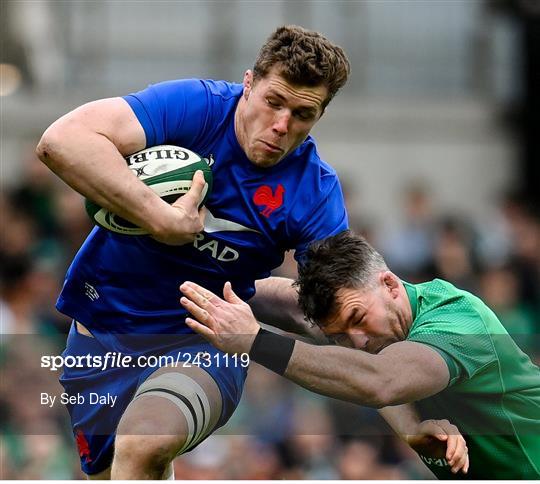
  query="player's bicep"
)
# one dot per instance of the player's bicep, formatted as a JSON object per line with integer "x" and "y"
{"x": 112, "y": 118}
{"x": 125, "y": 130}
{"x": 413, "y": 371}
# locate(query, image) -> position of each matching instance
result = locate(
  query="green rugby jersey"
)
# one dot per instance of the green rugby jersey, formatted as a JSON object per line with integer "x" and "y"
{"x": 493, "y": 396}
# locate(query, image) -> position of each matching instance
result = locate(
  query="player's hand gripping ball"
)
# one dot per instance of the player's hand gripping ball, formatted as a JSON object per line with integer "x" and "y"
{"x": 168, "y": 171}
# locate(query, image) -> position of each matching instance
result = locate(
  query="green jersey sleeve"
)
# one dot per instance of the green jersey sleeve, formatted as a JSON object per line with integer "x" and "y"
{"x": 465, "y": 354}
{"x": 457, "y": 326}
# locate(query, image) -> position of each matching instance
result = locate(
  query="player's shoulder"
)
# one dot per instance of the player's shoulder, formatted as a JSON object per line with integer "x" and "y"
{"x": 309, "y": 152}
{"x": 443, "y": 304}
{"x": 222, "y": 89}
{"x": 316, "y": 194}
{"x": 438, "y": 290}
{"x": 194, "y": 87}
{"x": 444, "y": 292}
{"x": 313, "y": 165}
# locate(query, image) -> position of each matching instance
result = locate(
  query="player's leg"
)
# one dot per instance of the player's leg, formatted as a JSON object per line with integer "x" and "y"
{"x": 168, "y": 475}
{"x": 105, "y": 475}
{"x": 172, "y": 411}
{"x": 94, "y": 424}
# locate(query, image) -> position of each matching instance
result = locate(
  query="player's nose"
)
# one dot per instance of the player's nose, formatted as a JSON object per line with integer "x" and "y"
{"x": 281, "y": 122}
{"x": 358, "y": 338}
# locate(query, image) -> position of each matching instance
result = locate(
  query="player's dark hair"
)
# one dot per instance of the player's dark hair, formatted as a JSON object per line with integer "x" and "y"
{"x": 344, "y": 260}
{"x": 304, "y": 58}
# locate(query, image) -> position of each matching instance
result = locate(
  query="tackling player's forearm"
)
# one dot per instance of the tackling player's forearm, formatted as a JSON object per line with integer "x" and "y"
{"x": 403, "y": 419}
{"x": 337, "y": 372}
{"x": 402, "y": 372}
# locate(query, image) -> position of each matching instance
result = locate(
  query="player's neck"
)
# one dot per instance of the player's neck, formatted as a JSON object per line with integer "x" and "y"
{"x": 239, "y": 128}
{"x": 406, "y": 318}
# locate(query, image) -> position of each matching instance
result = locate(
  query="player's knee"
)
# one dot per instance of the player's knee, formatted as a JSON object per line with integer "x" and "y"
{"x": 189, "y": 413}
{"x": 148, "y": 453}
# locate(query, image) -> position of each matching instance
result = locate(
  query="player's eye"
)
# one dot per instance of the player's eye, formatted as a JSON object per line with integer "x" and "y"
{"x": 339, "y": 339}
{"x": 272, "y": 102}
{"x": 304, "y": 115}
{"x": 360, "y": 322}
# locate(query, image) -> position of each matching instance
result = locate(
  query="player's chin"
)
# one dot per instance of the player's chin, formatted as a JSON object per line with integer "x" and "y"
{"x": 265, "y": 160}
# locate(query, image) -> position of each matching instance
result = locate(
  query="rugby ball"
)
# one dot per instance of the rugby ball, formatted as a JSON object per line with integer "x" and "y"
{"x": 167, "y": 170}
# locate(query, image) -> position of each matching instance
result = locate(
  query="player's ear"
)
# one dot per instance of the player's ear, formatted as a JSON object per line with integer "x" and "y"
{"x": 248, "y": 83}
{"x": 390, "y": 282}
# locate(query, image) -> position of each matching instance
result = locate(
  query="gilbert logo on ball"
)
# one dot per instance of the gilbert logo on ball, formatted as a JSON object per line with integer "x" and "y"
{"x": 167, "y": 170}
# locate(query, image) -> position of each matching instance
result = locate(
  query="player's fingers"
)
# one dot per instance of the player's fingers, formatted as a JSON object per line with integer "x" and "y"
{"x": 201, "y": 329}
{"x": 455, "y": 441}
{"x": 199, "y": 295}
{"x": 452, "y": 443}
{"x": 196, "y": 287}
{"x": 194, "y": 296}
{"x": 461, "y": 449}
{"x": 459, "y": 457}
{"x": 460, "y": 463}
{"x": 200, "y": 314}
{"x": 466, "y": 466}
{"x": 195, "y": 193}
{"x": 230, "y": 295}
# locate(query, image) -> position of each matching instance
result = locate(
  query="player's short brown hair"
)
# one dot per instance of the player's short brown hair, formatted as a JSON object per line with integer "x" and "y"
{"x": 304, "y": 58}
{"x": 345, "y": 260}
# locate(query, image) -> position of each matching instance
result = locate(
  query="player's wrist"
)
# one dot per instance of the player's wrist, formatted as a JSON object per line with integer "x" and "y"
{"x": 156, "y": 215}
{"x": 272, "y": 350}
{"x": 172, "y": 225}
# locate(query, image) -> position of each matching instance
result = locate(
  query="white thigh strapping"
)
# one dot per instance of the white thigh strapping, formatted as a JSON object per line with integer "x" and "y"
{"x": 188, "y": 396}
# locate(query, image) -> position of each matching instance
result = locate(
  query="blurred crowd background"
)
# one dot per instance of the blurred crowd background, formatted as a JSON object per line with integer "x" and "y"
{"x": 435, "y": 140}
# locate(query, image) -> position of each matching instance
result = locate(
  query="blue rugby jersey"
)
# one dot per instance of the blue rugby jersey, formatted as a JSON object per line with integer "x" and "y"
{"x": 120, "y": 284}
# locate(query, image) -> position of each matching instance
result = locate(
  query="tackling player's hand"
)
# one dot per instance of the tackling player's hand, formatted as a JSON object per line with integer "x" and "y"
{"x": 185, "y": 219}
{"x": 440, "y": 439}
{"x": 229, "y": 323}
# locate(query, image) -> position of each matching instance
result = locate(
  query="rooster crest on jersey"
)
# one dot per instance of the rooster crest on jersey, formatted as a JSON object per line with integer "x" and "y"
{"x": 265, "y": 197}
{"x": 167, "y": 170}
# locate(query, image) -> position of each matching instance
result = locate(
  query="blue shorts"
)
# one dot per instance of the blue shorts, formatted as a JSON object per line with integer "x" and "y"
{"x": 90, "y": 391}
